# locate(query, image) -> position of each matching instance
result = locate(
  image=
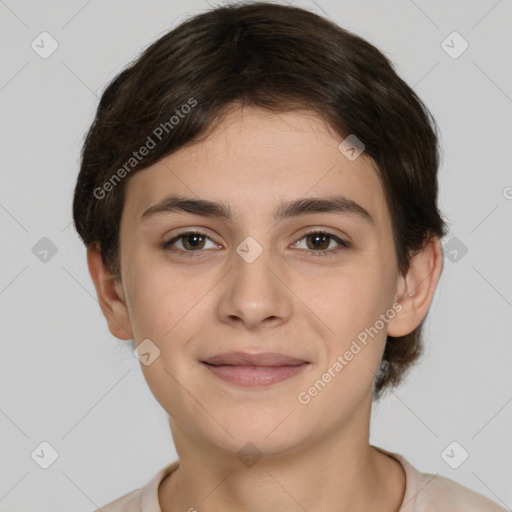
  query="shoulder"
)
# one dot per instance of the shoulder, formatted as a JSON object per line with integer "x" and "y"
{"x": 441, "y": 493}
{"x": 127, "y": 503}
{"x": 144, "y": 499}
{"x": 426, "y": 492}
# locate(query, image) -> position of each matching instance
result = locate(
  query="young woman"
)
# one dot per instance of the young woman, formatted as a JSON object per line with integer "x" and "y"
{"x": 258, "y": 198}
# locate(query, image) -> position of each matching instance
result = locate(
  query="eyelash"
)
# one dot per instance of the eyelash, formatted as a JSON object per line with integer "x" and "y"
{"x": 199, "y": 253}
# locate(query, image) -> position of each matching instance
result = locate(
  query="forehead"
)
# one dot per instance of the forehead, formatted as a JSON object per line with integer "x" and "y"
{"x": 255, "y": 159}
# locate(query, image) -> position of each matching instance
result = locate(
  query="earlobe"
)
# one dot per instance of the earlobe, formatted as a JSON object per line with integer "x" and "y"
{"x": 110, "y": 295}
{"x": 415, "y": 290}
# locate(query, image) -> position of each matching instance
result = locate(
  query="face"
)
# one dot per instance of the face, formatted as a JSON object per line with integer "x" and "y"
{"x": 308, "y": 284}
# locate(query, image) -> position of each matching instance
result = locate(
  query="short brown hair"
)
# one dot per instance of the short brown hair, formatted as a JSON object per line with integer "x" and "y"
{"x": 280, "y": 58}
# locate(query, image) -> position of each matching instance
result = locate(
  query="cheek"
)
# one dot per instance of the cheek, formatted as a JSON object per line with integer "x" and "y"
{"x": 158, "y": 309}
{"x": 156, "y": 301}
{"x": 351, "y": 307}
{"x": 350, "y": 304}
{"x": 348, "y": 299}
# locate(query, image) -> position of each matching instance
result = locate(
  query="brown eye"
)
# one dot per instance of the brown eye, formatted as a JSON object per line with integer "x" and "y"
{"x": 191, "y": 241}
{"x": 318, "y": 242}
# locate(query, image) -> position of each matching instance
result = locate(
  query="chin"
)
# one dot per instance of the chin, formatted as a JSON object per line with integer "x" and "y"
{"x": 254, "y": 434}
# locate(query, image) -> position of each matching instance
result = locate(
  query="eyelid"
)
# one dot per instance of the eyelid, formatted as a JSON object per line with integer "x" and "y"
{"x": 329, "y": 232}
{"x": 343, "y": 243}
{"x": 189, "y": 231}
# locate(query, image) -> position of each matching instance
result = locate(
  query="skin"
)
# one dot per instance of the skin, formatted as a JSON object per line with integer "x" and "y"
{"x": 316, "y": 456}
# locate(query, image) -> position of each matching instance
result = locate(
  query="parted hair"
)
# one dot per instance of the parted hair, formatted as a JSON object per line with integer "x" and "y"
{"x": 281, "y": 58}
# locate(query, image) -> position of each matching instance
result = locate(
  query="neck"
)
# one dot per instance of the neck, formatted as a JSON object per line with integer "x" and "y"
{"x": 339, "y": 471}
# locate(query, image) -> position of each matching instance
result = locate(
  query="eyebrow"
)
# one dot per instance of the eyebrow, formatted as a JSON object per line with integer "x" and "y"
{"x": 208, "y": 208}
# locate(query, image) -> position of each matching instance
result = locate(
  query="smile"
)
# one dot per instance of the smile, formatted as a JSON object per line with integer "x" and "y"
{"x": 254, "y": 376}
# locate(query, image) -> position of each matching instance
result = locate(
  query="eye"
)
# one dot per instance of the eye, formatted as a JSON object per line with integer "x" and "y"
{"x": 319, "y": 241}
{"x": 193, "y": 241}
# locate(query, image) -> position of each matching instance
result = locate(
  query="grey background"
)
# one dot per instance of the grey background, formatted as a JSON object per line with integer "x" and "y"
{"x": 65, "y": 380}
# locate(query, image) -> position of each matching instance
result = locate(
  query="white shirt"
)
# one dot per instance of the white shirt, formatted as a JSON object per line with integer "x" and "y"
{"x": 424, "y": 492}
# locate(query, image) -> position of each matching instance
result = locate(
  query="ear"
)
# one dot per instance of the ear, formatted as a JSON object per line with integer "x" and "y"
{"x": 110, "y": 295}
{"x": 416, "y": 289}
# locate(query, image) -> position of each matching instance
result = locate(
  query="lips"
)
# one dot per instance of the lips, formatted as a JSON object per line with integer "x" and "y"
{"x": 254, "y": 371}
{"x": 267, "y": 359}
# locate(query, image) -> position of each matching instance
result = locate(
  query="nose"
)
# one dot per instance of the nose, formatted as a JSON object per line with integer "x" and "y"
{"x": 255, "y": 293}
